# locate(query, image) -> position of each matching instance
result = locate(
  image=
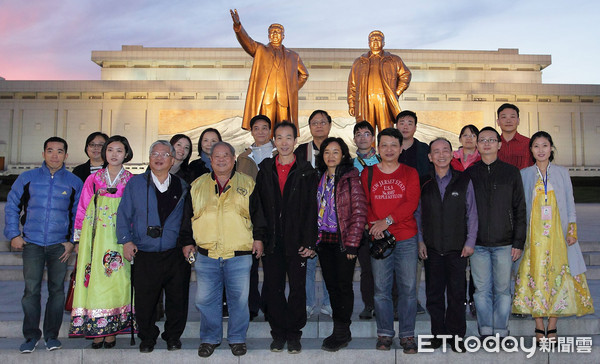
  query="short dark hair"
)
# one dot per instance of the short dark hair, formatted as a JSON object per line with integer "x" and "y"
{"x": 92, "y": 137}
{"x": 260, "y": 117}
{"x": 174, "y": 139}
{"x": 346, "y": 159}
{"x": 507, "y": 106}
{"x": 438, "y": 139}
{"x": 120, "y": 139}
{"x": 542, "y": 134}
{"x": 286, "y": 123}
{"x": 314, "y": 113}
{"x": 363, "y": 125}
{"x": 207, "y": 130}
{"x": 56, "y": 139}
{"x": 471, "y": 127}
{"x": 393, "y": 132}
{"x": 404, "y": 113}
{"x": 488, "y": 128}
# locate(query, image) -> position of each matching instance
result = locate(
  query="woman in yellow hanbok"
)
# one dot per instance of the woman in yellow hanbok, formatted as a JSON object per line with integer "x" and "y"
{"x": 551, "y": 279}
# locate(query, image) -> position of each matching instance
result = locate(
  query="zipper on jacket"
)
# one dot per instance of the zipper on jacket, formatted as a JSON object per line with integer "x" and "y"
{"x": 48, "y": 208}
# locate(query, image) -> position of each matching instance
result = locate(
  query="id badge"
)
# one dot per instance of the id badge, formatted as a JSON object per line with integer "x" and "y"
{"x": 546, "y": 213}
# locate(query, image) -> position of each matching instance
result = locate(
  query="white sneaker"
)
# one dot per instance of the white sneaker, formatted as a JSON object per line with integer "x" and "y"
{"x": 327, "y": 310}
{"x": 309, "y": 311}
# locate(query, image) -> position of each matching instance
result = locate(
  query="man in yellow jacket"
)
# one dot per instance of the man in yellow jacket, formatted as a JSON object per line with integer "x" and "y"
{"x": 222, "y": 222}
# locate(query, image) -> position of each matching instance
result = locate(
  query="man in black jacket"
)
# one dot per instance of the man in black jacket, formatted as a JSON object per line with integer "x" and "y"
{"x": 287, "y": 189}
{"x": 501, "y": 234}
{"x": 449, "y": 225}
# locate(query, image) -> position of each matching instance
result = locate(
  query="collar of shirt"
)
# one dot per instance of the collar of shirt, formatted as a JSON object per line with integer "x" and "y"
{"x": 161, "y": 187}
{"x": 289, "y": 165}
{"x": 368, "y": 155}
{"x": 518, "y": 138}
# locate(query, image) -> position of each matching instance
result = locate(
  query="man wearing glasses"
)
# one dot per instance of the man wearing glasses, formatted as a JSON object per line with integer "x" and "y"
{"x": 148, "y": 223}
{"x": 501, "y": 235}
{"x": 319, "y": 123}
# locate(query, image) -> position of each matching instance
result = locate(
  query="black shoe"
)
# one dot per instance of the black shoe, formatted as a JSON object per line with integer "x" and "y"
{"x": 205, "y": 350}
{"x": 518, "y": 315}
{"x": 147, "y": 346}
{"x": 435, "y": 343}
{"x": 383, "y": 343}
{"x": 331, "y": 343}
{"x": 173, "y": 344}
{"x": 294, "y": 346}
{"x": 420, "y": 309}
{"x": 238, "y": 349}
{"x": 277, "y": 345}
{"x": 367, "y": 313}
{"x": 110, "y": 344}
{"x": 409, "y": 345}
{"x": 98, "y": 345}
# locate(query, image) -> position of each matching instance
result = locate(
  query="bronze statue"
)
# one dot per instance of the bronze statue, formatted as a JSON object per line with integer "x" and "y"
{"x": 376, "y": 81}
{"x": 277, "y": 75}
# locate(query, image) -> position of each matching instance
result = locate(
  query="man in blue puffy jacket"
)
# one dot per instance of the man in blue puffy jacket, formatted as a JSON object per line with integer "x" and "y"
{"x": 44, "y": 201}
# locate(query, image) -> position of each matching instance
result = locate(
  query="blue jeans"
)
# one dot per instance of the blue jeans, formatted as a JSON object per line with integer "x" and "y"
{"x": 211, "y": 275}
{"x": 35, "y": 257}
{"x": 311, "y": 271}
{"x": 402, "y": 264}
{"x": 491, "y": 267}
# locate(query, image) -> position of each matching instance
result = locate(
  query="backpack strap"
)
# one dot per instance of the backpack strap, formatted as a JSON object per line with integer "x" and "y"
{"x": 370, "y": 176}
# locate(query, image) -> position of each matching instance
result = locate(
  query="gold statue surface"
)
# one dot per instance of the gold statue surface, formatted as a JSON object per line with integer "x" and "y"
{"x": 376, "y": 80}
{"x": 277, "y": 75}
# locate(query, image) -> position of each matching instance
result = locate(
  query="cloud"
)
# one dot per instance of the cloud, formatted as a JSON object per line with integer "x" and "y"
{"x": 53, "y": 39}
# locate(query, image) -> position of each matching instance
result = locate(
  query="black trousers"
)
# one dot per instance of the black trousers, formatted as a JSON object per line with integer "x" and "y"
{"x": 445, "y": 281}
{"x": 367, "y": 286}
{"x": 286, "y": 317}
{"x": 254, "y": 296}
{"x": 153, "y": 272}
{"x": 338, "y": 272}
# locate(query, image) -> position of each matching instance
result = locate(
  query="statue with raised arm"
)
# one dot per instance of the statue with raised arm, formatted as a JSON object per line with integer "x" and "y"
{"x": 277, "y": 75}
{"x": 376, "y": 81}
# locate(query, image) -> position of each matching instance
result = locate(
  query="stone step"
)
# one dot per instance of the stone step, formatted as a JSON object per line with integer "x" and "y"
{"x": 591, "y": 258}
{"x": 589, "y": 246}
{"x": 358, "y": 351}
{"x": 321, "y": 326}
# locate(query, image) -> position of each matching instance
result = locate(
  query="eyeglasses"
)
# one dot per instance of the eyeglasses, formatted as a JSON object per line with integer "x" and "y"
{"x": 486, "y": 141}
{"x": 160, "y": 154}
{"x": 94, "y": 145}
{"x": 468, "y": 136}
{"x": 363, "y": 135}
{"x": 318, "y": 123}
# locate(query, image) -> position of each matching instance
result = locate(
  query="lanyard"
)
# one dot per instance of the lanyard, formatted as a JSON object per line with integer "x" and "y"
{"x": 544, "y": 181}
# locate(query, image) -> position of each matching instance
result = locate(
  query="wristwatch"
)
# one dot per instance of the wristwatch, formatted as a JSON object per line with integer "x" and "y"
{"x": 389, "y": 221}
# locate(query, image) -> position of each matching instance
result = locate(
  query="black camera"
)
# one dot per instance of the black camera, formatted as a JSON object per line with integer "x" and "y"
{"x": 154, "y": 231}
{"x": 379, "y": 247}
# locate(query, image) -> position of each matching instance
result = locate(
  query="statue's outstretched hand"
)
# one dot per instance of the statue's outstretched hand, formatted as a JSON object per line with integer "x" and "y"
{"x": 234, "y": 16}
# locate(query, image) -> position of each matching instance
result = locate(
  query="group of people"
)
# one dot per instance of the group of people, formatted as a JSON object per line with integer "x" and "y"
{"x": 391, "y": 207}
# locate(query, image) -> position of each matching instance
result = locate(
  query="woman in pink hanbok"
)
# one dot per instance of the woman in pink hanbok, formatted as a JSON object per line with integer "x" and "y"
{"x": 102, "y": 298}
